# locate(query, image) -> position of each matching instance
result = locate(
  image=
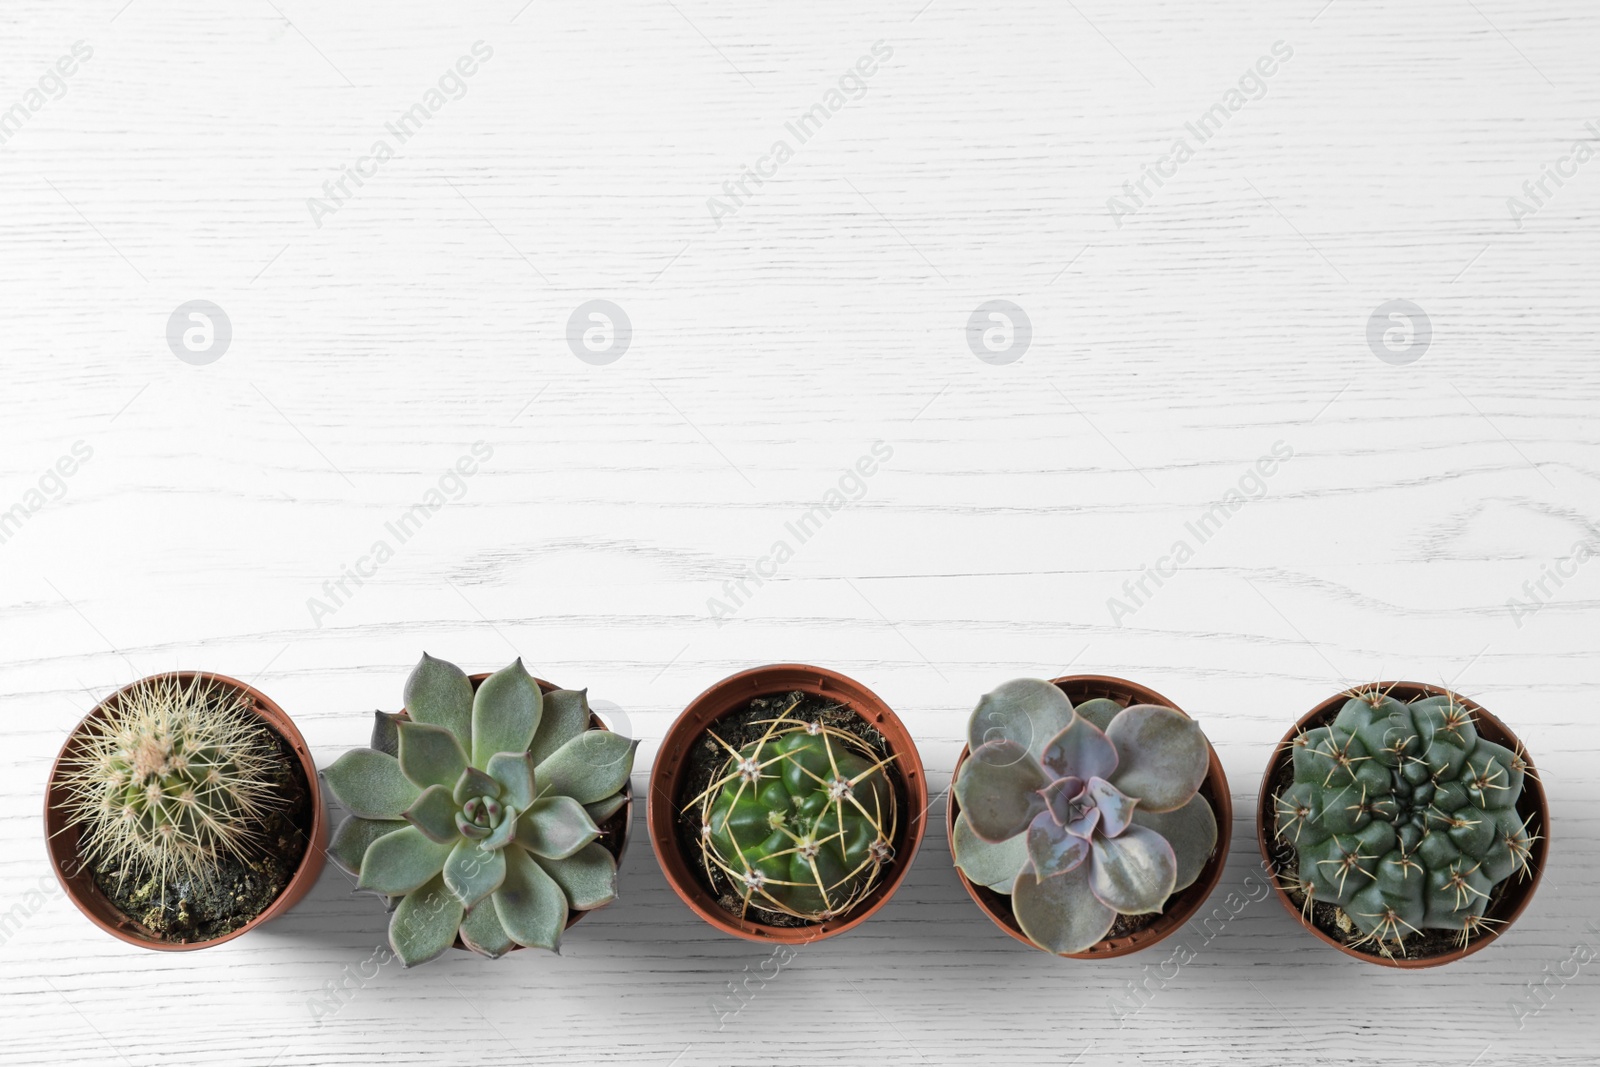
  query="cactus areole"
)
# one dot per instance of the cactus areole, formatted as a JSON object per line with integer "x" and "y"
{"x": 1398, "y": 829}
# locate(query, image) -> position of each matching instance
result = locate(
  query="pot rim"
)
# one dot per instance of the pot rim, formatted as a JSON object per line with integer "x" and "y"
{"x": 1520, "y": 894}
{"x": 994, "y": 904}
{"x": 61, "y": 837}
{"x": 728, "y": 695}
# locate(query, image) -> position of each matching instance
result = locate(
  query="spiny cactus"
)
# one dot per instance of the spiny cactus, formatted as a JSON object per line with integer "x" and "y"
{"x": 802, "y": 820}
{"x": 477, "y": 814}
{"x": 1403, "y": 817}
{"x": 1081, "y": 814}
{"x": 174, "y": 777}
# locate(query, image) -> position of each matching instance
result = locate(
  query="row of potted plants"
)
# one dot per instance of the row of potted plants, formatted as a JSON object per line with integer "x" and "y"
{"x": 1088, "y": 816}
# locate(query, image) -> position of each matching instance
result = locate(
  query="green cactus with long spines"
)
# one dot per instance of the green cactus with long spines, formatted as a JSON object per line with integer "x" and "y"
{"x": 1403, "y": 817}
{"x": 801, "y": 821}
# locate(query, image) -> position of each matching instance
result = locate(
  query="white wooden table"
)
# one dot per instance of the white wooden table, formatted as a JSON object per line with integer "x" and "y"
{"x": 778, "y": 331}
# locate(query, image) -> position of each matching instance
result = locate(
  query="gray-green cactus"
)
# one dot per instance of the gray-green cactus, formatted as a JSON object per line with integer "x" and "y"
{"x": 1403, "y": 817}
{"x": 476, "y": 814}
{"x": 1081, "y": 814}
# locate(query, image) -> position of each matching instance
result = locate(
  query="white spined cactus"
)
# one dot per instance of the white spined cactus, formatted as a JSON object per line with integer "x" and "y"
{"x": 172, "y": 778}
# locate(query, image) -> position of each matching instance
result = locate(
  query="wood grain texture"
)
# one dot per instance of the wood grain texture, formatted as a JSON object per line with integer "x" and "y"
{"x": 828, "y": 312}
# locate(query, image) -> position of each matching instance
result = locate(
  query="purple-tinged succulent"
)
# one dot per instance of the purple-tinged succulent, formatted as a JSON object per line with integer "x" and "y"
{"x": 1081, "y": 814}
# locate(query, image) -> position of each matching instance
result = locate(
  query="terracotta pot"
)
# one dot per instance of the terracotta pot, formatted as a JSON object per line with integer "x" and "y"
{"x": 732, "y": 694}
{"x": 1518, "y": 890}
{"x": 1181, "y": 906}
{"x": 62, "y": 838}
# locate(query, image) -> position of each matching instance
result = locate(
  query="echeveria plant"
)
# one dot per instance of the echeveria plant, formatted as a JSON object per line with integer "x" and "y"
{"x": 1081, "y": 814}
{"x": 1403, "y": 817}
{"x": 476, "y": 814}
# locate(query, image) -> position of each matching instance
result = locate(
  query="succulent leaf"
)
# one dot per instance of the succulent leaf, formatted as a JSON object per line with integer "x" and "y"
{"x": 589, "y": 767}
{"x": 1191, "y": 831}
{"x": 514, "y": 772}
{"x": 473, "y": 871}
{"x": 482, "y": 933}
{"x": 990, "y": 863}
{"x": 1060, "y": 914}
{"x": 1100, "y": 711}
{"x": 430, "y": 755}
{"x": 530, "y": 905}
{"x": 565, "y": 716}
{"x": 505, "y": 713}
{"x": 1134, "y": 872}
{"x": 1052, "y": 848}
{"x": 1162, "y": 753}
{"x": 1026, "y": 711}
{"x": 588, "y": 877}
{"x": 555, "y": 828}
{"x": 386, "y": 731}
{"x": 370, "y": 784}
{"x": 1081, "y": 750}
{"x": 601, "y": 811}
{"x": 999, "y": 789}
{"x": 434, "y": 814}
{"x": 474, "y": 783}
{"x": 400, "y": 861}
{"x": 352, "y": 838}
{"x": 1115, "y": 807}
{"x": 438, "y": 693}
{"x": 425, "y": 923}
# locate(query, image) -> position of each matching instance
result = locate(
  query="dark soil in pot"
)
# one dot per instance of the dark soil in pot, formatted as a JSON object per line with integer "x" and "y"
{"x": 188, "y": 909}
{"x": 1432, "y": 947}
{"x": 742, "y": 727}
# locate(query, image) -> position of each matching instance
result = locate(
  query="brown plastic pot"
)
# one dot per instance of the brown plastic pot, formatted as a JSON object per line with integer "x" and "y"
{"x": 1519, "y": 892}
{"x": 1181, "y": 906}
{"x": 730, "y": 695}
{"x": 62, "y": 837}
